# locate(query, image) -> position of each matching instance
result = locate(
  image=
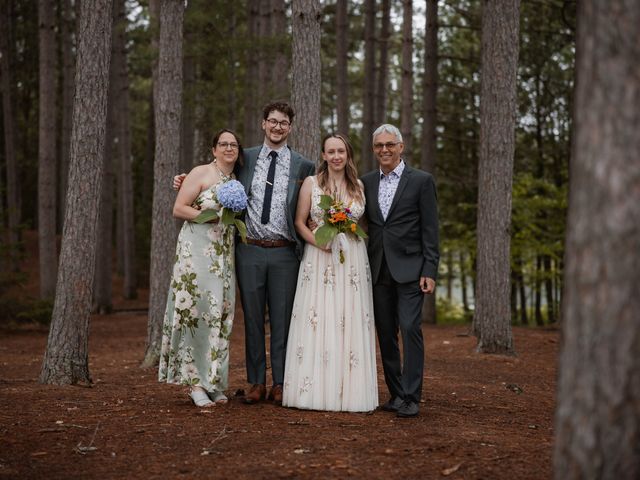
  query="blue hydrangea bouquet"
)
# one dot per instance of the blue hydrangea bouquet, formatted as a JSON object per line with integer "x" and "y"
{"x": 233, "y": 199}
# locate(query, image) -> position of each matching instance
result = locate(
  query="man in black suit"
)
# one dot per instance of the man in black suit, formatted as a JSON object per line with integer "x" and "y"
{"x": 403, "y": 252}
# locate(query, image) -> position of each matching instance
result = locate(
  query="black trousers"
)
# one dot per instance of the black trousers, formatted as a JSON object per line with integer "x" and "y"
{"x": 398, "y": 306}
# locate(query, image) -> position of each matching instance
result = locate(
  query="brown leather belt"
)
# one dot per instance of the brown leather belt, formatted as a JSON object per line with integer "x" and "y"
{"x": 270, "y": 243}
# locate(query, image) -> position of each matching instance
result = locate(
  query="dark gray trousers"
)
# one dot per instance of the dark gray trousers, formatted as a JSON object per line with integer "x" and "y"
{"x": 266, "y": 276}
{"x": 399, "y": 306}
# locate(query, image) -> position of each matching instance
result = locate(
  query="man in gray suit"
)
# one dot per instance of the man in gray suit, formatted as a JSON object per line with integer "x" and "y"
{"x": 267, "y": 265}
{"x": 404, "y": 254}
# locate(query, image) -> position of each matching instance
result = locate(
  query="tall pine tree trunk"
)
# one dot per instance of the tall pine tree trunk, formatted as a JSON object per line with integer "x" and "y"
{"x": 279, "y": 79}
{"x": 13, "y": 206}
{"x": 168, "y": 111}
{"x": 251, "y": 102}
{"x": 498, "y": 109}
{"x": 368, "y": 100}
{"x": 306, "y": 77}
{"x": 342, "y": 63}
{"x": 47, "y": 150}
{"x": 67, "y": 29}
{"x": 382, "y": 69}
{"x": 66, "y": 359}
{"x": 406, "y": 110}
{"x": 598, "y": 414}
{"x": 430, "y": 118}
{"x": 126, "y": 220}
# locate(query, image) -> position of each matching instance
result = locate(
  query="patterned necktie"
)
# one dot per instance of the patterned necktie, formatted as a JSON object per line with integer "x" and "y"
{"x": 268, "y": 191}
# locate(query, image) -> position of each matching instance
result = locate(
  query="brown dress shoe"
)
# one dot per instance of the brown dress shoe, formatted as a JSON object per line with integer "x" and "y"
{"x": 275, "y": 394}
{"x": 256, "y": 394}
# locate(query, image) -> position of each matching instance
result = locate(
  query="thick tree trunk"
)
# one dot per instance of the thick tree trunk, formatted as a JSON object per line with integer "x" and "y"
{"x": 13, "y": 205}
{"x": 279, "y": 79}
{"x": 429, "y": 115}
{"x": 598, "y": 413}
{"x": 368, "y": 101}
{"x": 168, "y": 112}
{"x": 47, "y": 151}
{"x": 66, "y": 356}
{"x": 382, "y": 76}
{"x": 406, "y": 110}
{"x": 498, "y": 109}
{"x": 67, "y": 29}
{"x": 263, "y": 86}
{"x": 342, "y": 62}
{"x": 306, "y": 77}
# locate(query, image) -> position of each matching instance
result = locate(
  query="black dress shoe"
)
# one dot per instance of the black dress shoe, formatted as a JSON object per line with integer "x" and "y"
{"x": 392, "y": 405}
{"x": 408, "y": 409}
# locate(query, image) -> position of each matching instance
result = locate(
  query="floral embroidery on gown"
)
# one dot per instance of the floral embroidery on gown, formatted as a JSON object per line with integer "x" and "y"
{"x": 200, "y": 306}
{"x": 331, "y": 354}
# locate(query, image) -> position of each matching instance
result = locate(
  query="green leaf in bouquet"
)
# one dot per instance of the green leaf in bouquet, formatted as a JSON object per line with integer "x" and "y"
{"x": 325, "y": 234}
{"x": 206, "y": 216}
{"x": 325, "y": 202}
{"x": 360, "y": 232}
{"x": 228, "y": 216}
{"x": 242, "y": 229}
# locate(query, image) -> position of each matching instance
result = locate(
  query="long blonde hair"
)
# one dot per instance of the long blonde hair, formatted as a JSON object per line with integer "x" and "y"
{"x": 350, "y": 172}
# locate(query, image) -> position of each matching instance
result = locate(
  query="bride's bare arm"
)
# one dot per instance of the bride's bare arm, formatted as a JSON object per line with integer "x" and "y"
{"x": 302, "y": 213}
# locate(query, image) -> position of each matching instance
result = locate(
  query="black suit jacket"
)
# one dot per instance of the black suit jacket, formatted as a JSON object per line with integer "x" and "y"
{"x": 299, "y": 169}
{"x": 409, "y": 236}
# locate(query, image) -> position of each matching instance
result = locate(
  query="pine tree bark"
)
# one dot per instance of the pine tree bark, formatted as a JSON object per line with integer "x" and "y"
{"x": 252, "y": 115}
{"x": 342, "y": 63}
{"x": 66, "y": 356}
{"x": 598, "y": 414}
{"x": 382, "y": 68}
{"x": 406, "y": 109}
{"x": 47, "y": 151}
{"x": 279, "y": 79}
{"x": 429, "y": 115}
{"x": 67, "y": 30}
{"x": 498, "y": 110}
{"x": 126, "y": 220}
{"x": 13, "y": 205}
{"x": 168, "y": 112}
{"x": 368, "y": 100}
{"x": 306, "y": 77}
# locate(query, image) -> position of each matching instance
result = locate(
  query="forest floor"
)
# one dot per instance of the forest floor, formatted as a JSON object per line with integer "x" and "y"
{"x": 481, "y": 416}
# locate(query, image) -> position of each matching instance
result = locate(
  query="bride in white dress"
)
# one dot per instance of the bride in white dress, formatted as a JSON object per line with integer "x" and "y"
{"x": 331, "y": 354}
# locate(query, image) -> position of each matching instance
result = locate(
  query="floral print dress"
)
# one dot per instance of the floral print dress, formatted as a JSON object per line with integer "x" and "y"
{"x": 200, "y": 305}
{"x": 331, "y": 351}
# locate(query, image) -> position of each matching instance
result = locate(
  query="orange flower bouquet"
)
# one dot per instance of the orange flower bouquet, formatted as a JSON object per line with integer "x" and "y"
{"x": 338, "y": 222}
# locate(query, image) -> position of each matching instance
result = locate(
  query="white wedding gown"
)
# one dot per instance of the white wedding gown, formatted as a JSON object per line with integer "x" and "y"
{"x": 331, "y": 354}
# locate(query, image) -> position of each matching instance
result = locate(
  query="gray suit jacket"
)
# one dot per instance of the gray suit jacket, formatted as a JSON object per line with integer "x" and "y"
{"x": 300, "y": 169}
{"x": 409, "y": 236}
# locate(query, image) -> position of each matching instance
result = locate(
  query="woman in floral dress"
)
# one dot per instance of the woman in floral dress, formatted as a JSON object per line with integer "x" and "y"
{"x": 331, "y": 354}
{"x": 201, "y": 301}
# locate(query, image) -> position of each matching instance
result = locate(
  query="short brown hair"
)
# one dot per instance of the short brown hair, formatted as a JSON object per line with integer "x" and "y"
{"x": 283, "y": 107}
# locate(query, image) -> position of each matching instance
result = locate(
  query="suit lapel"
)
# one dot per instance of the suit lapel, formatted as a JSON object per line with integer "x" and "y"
{"x": 294, "y": 171}
{"x": 375, "y": 204}
{"x": 249, "y": 168}
{"x": 404, "y": 179}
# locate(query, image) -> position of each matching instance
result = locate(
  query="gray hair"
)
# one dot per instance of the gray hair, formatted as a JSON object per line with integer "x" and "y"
{"x": 387, "y": 127}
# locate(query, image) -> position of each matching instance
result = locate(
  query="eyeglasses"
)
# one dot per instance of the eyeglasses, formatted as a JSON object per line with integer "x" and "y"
{"x": 388, "y": 145}
{"x": 273, "y": 123}
{"x": 225, "y": 145}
